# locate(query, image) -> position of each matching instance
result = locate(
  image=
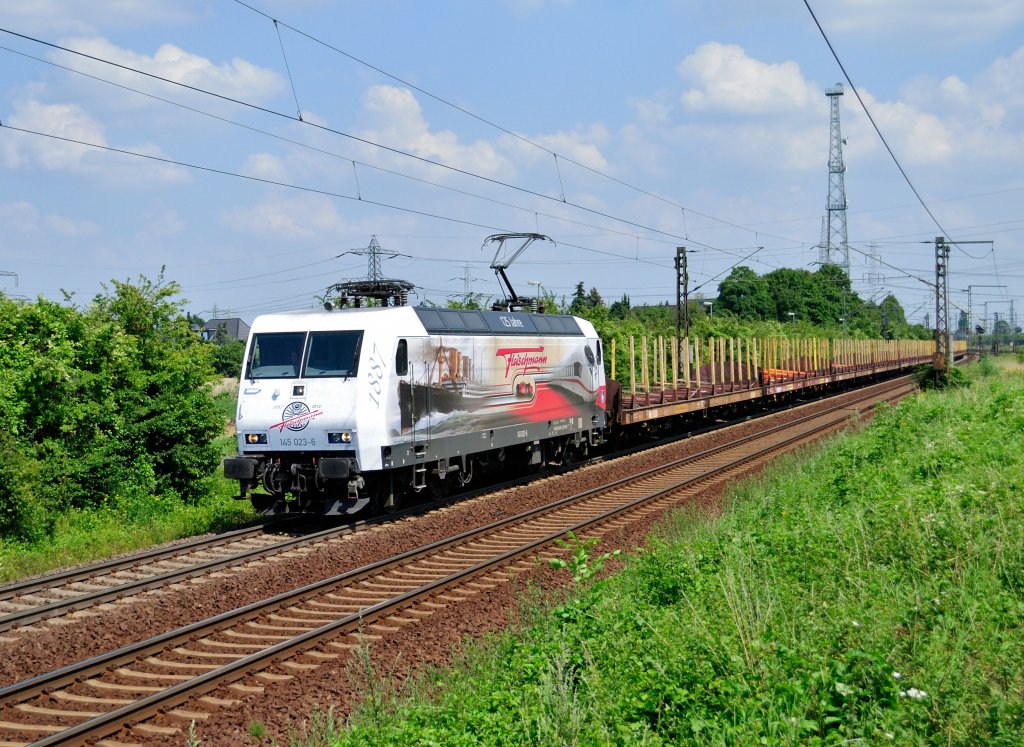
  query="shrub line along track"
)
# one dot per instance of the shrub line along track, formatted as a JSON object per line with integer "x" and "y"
{"x": 305, "y": 628}
{"x": 56, "y": 594}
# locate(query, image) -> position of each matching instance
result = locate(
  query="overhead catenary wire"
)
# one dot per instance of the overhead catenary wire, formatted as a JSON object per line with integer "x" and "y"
{"x": 556, "y": 157}
{"x": 287, "y": 67}
{"x": 320, "y": 150}
{"x": 490, "y": 123}
{"x": 341, "y": 133}
{"x": 323, "y": 151}
{"x": 358, "y": 195}
{"x": 314, "y": 190}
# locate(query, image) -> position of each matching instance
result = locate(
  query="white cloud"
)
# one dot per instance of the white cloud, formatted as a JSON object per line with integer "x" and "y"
{"x": 652, "y": 112}
{"x": 60, "y": 120}
{"x": 265, "y": 166}
{"x": 68, "y": 228}
{"x": 23, "y": 217}
{"x": 19, "y": 216}
{"x": 59, "y": 17}
{"x": 919, "y": 137}
{"x": 968, "y": 121}
{"x": 302, "y": 217}
{"x": 238, "y": 78}
{"x": 162, "y": 222}
{"x": 396, "y": 120}
{"x": 954, "y": 89}
{"x": 726, "y": 79}
{"x": 26, "y": 151}
{"x": 961, "y": 19}
{"x": 1002, "y": 80}
{"x": 582, "y": 145}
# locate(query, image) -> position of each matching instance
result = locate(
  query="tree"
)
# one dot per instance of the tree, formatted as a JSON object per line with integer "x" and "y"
{"x": 579, "y": 300}
{"x": 619, "y": 309}
{"x": 227, "y": 357}
{"x": 745, "y": 294}
{"x": 790, "y": 291}
{"x": 962, "y": 323}
{"x": 832, "y": 297}
{"x": 893, "y": 310}
{"x": 469, "y": 301}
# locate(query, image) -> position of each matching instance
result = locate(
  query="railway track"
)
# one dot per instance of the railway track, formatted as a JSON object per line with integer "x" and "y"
{"x": 58, "y": 594}
{"x": 190, "y": 673}
{"x": 55, "y": 595}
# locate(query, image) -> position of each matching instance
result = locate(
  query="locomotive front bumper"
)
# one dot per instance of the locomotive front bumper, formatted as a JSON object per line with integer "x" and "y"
{"x": 324, "y": 468}
{"x": 334, "y": 468}
{"x": 240, "y": 468}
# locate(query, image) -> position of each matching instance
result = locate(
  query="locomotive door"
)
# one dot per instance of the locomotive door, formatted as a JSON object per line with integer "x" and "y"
{"x": 413, "y": 372}
{"x": 595, "y": 364}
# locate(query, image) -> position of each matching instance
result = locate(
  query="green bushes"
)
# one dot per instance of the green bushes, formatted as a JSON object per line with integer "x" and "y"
{"x": 101, "y": 406}
{"x": 928, "y": 377}
{"x": 227, "y": 358}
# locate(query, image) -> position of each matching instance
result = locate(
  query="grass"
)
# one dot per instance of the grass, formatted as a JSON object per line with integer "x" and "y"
{"x": 226, "y": 402}
{"x": 84, "y": 536}
{"x": 871, "y": 592}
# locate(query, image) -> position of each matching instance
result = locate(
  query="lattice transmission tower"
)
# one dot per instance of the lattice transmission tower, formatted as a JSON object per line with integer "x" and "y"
{"x": 375, "y": 287}
{"x": 834, "y": 248}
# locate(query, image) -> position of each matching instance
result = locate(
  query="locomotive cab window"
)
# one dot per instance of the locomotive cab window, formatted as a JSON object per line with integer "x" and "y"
{"x": 402, "y": 358}
{"x": 333, "y": 354}
{"x": 276, "y": 355}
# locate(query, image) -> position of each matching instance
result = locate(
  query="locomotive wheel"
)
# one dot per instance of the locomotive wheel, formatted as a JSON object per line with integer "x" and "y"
{"x": 379, "y": 504}
{"x": 437, "y": 489}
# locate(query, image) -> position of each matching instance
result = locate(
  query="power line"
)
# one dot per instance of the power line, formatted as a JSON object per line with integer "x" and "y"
{"x": 332, "y": 154}
{"x": 262, "y": 180}
{"x": 359, "y": 197}
{"x": 673, "y": 237}
{"x": 313, "y": 190}
{"x": 356, "y": 138}
{"x": 490, "y": 123}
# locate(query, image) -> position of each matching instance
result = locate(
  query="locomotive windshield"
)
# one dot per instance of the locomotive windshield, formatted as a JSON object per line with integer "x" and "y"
{"x": 276, "y": 355}
{"x": 279, "y": 355}
{"x": 333, "y": 353}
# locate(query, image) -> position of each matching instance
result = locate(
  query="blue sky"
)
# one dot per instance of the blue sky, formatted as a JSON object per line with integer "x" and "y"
{"x": 621, "y": 130}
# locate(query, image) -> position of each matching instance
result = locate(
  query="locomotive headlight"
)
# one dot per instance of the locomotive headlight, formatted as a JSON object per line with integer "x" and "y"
{"x": 255, "y": 438}
{"x": 344, "y": 437}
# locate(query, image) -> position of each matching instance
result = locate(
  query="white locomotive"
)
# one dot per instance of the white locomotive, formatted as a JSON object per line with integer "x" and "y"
{"x": 341, "y": 410}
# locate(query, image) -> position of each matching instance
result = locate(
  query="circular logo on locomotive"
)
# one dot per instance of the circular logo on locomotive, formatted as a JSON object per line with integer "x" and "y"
{"x": 296, "y": 416}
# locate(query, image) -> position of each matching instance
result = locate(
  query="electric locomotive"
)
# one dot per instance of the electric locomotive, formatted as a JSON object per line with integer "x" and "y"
{"x": 360, "y": 408}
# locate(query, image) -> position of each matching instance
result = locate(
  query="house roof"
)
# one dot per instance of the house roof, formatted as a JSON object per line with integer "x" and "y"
{"x": 233, "y": 327}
